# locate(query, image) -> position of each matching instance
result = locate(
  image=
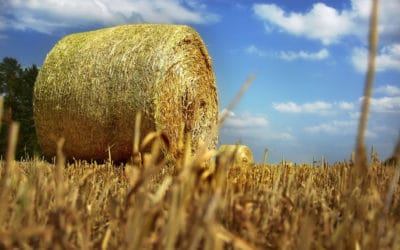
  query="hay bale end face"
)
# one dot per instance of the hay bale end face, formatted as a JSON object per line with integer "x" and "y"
{"x": 240, "y": 154}
{"x": 92, "y": 84}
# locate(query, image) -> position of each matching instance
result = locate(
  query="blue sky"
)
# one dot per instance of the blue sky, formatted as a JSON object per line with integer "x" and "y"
{"x": 309, "y": 58}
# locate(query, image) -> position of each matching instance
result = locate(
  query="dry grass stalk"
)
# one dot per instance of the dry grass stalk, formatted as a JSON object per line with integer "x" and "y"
{"x": 361, "y": 155}
{"x": 235, "y": 100}
{"x": 265, "y": 158}
{"x": 136, "y": 156}
{"x": 395, "y": 180}
{"x": 92, "y": 84}
{"x": 1, "y": 109}
{"x": 59, "y": 174}
{"x": 11, "y": 145}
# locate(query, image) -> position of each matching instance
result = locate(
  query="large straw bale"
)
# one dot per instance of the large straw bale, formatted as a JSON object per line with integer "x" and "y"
{"x": 240, "y": 154}
{"x": 92, "y": 84}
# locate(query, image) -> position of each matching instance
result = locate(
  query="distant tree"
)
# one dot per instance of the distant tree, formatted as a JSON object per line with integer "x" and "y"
{"x": 16, "y": 87}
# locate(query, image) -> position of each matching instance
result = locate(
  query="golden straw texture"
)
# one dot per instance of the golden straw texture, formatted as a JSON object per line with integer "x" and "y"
{"x": 239, "y": 154}
{"x": 92, "y": 85}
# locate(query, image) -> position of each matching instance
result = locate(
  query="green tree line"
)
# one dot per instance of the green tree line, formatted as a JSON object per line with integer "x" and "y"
{"x": 16, "y": 88}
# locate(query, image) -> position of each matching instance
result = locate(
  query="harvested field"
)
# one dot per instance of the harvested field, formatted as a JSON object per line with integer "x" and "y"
{"x": 89, "y": 206}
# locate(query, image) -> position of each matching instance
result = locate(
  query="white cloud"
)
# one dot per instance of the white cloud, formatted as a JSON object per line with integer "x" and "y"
{"x": 287, "y": 107}
{"x": 292, "y": 55}
{"x": 318, "y": 107}
{"x": 224, "y": 112}
{"x": 389, "y": 131}
{"x": 361, "y": 8}
{"x": 370, "y": 134}
{"x": 322, "y": 22}
{"x": 255, "y": 136}
{"x": 246, "y": 120}
{"x": 46, "y": 16}
{"x": 334, "y": 127}
{"x": 389, "y": 21}
{"x": 385, "y": 104}
{"x": 346, "y": 105}
{"x": 288, "y": 55}
{"x": 388, "y": 58}
{"x": 327, "y": 24}
{"x": 286, "y": 136}
{"x": 2, "y": 23}
{"x": 37, "y": 24}
{"x": 195, "y": 4}
{"x": 349, "y": 128}
{"x": 389, "y": 90}
{"x": 355, "y": 115}
{"x": 248, "y": 127}
{"x": 253, "y": 50}
{"x": 341, "y": 127}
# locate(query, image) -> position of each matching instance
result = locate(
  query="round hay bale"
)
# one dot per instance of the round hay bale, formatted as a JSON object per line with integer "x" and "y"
{"x": 241, "y": 154}
{"x": 92, "y": 84}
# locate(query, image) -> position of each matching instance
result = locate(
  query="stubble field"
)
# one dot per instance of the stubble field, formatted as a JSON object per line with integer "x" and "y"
{"x": 188, "y": 206}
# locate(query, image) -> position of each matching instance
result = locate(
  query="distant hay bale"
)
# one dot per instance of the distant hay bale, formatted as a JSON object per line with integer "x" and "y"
{"x": 92, "y": 84}
{"x": 240, "y": 154}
